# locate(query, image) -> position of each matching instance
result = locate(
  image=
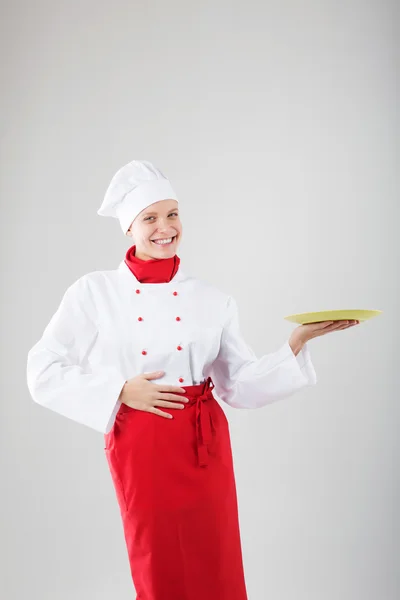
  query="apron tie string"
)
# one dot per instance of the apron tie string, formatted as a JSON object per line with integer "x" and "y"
{"x": 204, "y": 424}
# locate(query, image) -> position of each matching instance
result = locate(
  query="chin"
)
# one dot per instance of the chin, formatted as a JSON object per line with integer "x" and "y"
{"x": 164, "y": 253}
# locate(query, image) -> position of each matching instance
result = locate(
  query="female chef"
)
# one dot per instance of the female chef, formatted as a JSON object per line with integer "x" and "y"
{"x": 138, "y": 353}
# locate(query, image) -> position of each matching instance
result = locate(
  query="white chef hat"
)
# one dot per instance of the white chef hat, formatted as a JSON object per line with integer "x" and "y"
{"x": 132, "y": 189}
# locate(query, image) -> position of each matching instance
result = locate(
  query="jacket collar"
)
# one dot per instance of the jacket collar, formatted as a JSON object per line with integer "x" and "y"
{"x": 126, "y": 272}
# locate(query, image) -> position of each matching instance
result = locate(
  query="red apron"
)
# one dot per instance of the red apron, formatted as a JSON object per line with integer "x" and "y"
{"x": 175, "y": 486}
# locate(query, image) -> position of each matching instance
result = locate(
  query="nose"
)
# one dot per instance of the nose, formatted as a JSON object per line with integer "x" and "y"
{"x": 163, "y": 226}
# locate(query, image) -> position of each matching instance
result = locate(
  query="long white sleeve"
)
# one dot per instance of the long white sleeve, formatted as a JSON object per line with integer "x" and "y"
{"x": 60, "y": 377}
{"x": 244, "y": 381}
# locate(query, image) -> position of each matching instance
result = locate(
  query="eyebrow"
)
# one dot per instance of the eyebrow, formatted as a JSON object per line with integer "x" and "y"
{"x": 156, "y": 213}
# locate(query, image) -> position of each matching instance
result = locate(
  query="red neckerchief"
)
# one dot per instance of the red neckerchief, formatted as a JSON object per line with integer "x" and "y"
{"x": 156, "y": 270}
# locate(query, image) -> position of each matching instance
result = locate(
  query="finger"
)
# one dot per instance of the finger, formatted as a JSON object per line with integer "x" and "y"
{"x": 166, "y": 404}
{"x": 169, "y": 388}
{"x": 338, "y": 324}
{"x": 171, "y": 397}
{"x": 326, "y": 326}
{"x": 153, "y": 375}
{"x": 335, "y": 323}
{"x": 343, "y": 327}
{"x": 161, "y": 413}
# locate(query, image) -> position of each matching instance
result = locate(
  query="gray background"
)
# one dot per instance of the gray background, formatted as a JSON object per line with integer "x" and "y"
{"x": 278, "y": 125}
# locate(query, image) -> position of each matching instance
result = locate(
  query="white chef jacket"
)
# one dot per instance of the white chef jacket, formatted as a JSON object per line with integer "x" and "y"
{"x": 109, "y": 327}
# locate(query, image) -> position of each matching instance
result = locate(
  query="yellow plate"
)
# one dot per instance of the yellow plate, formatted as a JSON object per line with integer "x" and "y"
{"x": 333, "y": 315}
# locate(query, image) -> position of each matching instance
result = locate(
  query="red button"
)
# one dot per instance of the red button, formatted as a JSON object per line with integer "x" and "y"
{"x": 144, "y": 352}
{"x": 179, "y": 348}
{"x": 175, "y": 293}
{"x": 181, "y": 379}
{"x": 138, "y": 291}
{"x": 140, "y": 319}
{"x": 178, "y": 318}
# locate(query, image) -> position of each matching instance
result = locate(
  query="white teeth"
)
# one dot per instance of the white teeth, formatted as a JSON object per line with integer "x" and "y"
{"x": 161, "y": 242}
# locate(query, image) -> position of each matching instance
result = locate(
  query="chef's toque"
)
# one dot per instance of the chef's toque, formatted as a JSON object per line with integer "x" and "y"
{"x": 132, "y": 189}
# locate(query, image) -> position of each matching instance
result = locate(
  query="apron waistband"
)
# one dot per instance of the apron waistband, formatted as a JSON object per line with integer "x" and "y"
{"x": 196, "y": 394}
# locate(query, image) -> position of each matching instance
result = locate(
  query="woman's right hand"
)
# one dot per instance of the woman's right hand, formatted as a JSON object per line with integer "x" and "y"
{"x": 139, "y": 393}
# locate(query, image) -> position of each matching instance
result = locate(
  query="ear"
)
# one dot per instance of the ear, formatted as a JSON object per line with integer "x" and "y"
{"x": 130, "y": 232}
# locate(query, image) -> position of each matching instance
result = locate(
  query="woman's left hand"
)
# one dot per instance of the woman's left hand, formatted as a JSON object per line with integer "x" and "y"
{"x": 304, "y": 333}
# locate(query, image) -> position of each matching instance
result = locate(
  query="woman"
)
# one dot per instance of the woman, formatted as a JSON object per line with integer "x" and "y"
{"x": 138, "y": 353}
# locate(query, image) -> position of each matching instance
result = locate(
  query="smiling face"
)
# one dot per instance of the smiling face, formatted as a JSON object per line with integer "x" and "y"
{"x": 157, "y": 230}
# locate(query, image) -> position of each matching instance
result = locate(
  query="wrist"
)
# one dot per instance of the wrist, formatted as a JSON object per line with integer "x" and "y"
{"x": 122, "y": 393}
{"x": 296, "y": 344}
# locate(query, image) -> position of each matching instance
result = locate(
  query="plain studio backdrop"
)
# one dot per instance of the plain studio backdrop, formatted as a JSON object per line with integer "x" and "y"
{"x": 278, "y": 125}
